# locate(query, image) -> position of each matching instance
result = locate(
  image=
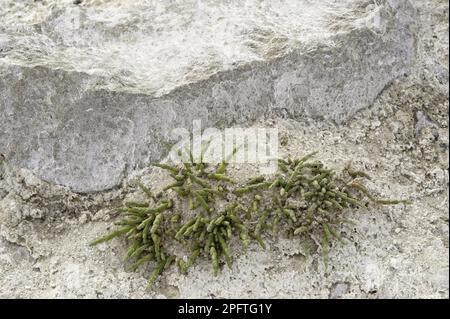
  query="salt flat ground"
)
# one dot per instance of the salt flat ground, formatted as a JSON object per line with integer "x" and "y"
{"x": 395, "y": 251}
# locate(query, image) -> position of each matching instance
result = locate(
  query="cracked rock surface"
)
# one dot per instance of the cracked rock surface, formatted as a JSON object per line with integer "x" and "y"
{"x": 401, "y": 141}
{"x": 110, "y": 80}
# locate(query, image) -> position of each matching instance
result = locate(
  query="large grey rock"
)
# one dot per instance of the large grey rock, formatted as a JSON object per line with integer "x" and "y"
{"x": 89, "y": 92}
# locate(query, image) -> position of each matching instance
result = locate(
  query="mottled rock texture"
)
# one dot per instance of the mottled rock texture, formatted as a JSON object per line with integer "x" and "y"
{"x": 399, "y": 251}
{"x": 90, "y": 92}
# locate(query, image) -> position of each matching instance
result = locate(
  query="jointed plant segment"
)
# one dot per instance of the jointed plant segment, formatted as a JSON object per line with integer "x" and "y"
{"x": 209, "y": 210}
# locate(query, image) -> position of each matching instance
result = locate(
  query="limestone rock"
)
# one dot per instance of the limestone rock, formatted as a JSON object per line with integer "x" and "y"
{"x": 91, "y": 91}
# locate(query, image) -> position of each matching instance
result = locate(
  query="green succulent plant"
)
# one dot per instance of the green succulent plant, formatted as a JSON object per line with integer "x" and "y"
{"x": 204, "y": 210}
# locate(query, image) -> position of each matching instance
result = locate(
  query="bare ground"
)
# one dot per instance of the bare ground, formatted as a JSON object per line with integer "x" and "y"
{"x": 394, "y": 251}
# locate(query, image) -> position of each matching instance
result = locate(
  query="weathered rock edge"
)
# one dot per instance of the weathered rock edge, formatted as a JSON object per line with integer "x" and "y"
{"x": 58, "y": 124}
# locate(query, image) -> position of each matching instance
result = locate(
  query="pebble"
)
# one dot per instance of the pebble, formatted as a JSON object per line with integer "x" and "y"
{"x": 83, "y": 218}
